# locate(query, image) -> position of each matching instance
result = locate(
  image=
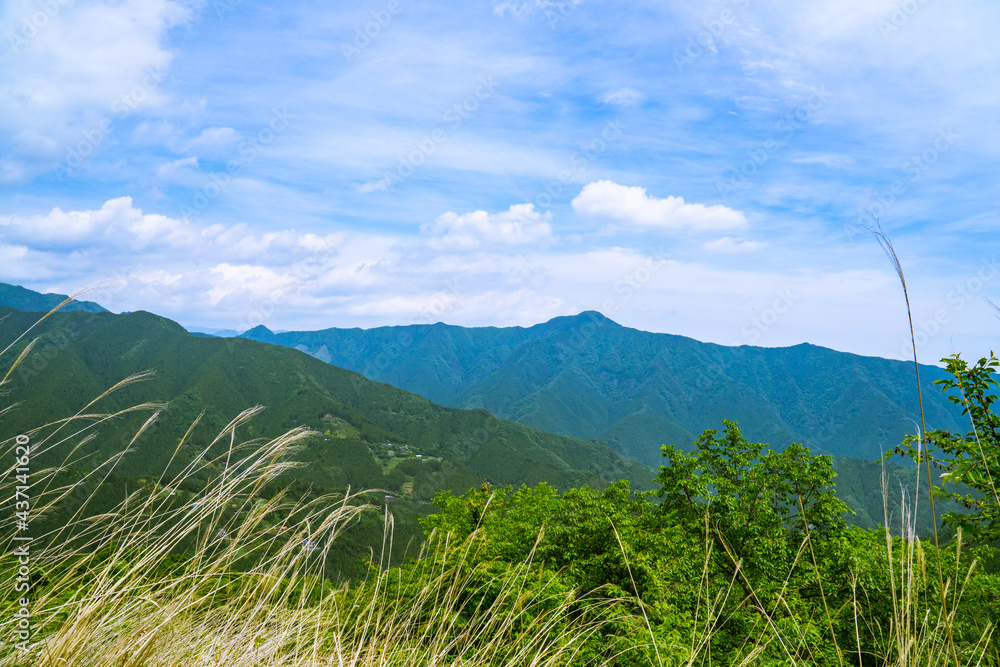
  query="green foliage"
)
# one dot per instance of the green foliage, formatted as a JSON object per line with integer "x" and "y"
{"x": 207, "y": 380}
{"x": 760, "y": 504}
{"x": 747, "y": 558}
{"x": 971, "y": 461}
{"x": 860, "y": 485}
{"x": 587, "y": 377}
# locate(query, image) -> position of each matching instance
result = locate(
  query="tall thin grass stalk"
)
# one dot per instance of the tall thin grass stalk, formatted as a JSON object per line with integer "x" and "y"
{"x": 890, "y": 252}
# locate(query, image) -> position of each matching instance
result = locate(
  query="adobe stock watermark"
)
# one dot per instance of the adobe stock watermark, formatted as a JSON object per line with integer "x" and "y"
{"x": 223, "y": 7}
{"x": 424, "y": 148}
{"x": 899, "y": 17}
{"x": 102, "y": 132}
{"x": 635, "y": 280}
{"x": 625, "y": 288}
{"x": 370, "y": 31}
{"x": 925, "y": 329}
{"x": 248, "y": 149}
{"x": 758, "y": 325}
{"x": 704, "y": 39}
{"x": 32, "y": 24}
{"x": 23, "y": 628}
{"x": 914, "y": 168}
{"x": 738, "y": 177}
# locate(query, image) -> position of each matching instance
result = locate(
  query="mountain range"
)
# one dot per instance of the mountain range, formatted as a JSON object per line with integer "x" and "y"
{"x": 79, "y": 355}
{"x": 15, "y": 296}
{"x": 586, "y": 376}
{"x": 370, "y": 434}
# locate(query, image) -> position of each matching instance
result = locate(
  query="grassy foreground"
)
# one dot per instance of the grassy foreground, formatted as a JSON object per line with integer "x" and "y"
{"x": 230, "y": 579}
{"x": 154, "y": 583}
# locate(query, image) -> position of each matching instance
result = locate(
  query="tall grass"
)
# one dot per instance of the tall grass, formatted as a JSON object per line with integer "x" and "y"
{"x": 225, "y": 578}
{"x": 157, "y": 582}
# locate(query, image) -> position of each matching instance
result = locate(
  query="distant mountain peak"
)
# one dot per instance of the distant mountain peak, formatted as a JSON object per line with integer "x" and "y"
{"x": 259, "y": 333}
{"x": 581, "y": 319}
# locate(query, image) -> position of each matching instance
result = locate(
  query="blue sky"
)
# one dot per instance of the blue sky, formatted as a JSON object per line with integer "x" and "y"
{"x": 696, "y": 168}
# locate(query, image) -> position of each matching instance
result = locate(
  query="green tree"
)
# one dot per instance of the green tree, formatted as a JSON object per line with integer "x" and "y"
{"x": 775, "y": 532}
{"x": 759, "y": 504}
{"x": 971, "y": 461}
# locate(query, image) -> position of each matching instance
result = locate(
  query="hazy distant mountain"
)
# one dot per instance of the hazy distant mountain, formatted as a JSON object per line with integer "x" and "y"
{"x": 15, "y": 296}
{"x": 218, "y": 333}
{"x": 588, "y": 377}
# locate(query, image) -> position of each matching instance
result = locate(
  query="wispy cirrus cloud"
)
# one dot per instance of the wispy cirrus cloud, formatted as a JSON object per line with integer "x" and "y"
{"x": 68, "y": 78}
{"x": 623, "y": 97}
{"x": 528, "y": 7}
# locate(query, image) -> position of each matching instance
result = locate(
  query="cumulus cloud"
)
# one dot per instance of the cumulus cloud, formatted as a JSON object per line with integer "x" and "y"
{"x": 119, "y": 226}
{"x": 519, "y": 225}
{"x": 727, "y": 245}
{"x": 623, "y": 97}
{"x": 632, "y": 207}
{"x": 74, "y": 63}
{"x": 168, "y": 265}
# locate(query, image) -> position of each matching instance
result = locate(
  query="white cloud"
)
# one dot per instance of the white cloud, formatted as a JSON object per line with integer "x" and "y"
{"x": 519, "y": 225}
{"x": 631, "y": 206}
{"x": 119, "y": 226}
{"x": 185, "y": 170}
{"x": 381, "y": 185}
{"x": 84, "y": 62}
{"x": 170, "y": 266}
{"x": 727, "y": 245}
{"x": 623, "y": 97}
{"x": 832, "y": 160}
{"x": 213, "y": 138}
{"x": 11, "y": 171}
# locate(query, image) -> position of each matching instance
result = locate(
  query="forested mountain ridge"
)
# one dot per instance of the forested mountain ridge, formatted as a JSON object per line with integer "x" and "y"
{"x": 589, "y": 377}
{"x": 15, "y": 296}
{"x": 358, "y": 421}
{"x": 371, "y": 435}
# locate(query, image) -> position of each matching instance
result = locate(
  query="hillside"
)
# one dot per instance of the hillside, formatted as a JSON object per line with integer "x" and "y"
{"x": 358, "y": 421}
{"x": 15, "y": 296}
{"x": 588, "y": 377}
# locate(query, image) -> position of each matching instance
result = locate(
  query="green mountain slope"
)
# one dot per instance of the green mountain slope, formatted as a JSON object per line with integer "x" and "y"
{"x": 15, "y": 296}
{"x": 369, "y": 434}
{"x": 588, "y": 377}
{"x": 358, "y": 421}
